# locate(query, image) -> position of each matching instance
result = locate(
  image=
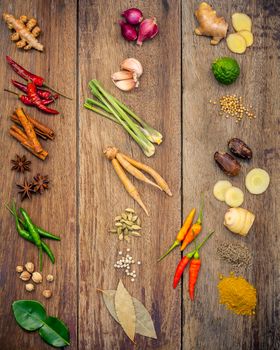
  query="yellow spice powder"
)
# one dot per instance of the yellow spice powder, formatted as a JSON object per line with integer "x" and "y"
{"x": 237, "y": 295}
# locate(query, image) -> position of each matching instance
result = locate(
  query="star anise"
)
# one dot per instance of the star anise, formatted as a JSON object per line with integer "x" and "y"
{"x": 41, "y": 183}
{"x": 25, "y": 189}
{"x": 20, "y": 164}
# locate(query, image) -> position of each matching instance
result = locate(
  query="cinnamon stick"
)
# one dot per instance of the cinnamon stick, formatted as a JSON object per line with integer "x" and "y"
{"x": 40, "y": 129}
{"x": 29, "y": 129}
{"x": 15, "y": 119}
{"x": 19, "y": 135}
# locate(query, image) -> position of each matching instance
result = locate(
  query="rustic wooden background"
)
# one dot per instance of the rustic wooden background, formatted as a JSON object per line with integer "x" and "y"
{"x": 82, "y": 41}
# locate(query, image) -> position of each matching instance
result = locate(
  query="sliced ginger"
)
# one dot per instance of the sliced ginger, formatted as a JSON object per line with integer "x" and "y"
{"x": 257, "y": 181}
{"x": 236, "y": 43}
{"x": 234, "y": 197}
{"x": 241, "y": 21}
{"x": 220, "y": 189}
{"x": 25, "y": 32}
{"x": 248, "y": 36}
{"x": 210, "y": 24}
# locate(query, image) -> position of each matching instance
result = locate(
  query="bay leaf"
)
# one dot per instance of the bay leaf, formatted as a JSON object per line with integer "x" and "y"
{"x": 125, "y": 310}
{"x": 109, "y": 300}
{"x": 144, "y": 323}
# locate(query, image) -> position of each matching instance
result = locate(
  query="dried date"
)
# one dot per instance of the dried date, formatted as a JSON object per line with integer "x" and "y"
{"x": 240, "y": 149}
{"x": 227, "y": 163}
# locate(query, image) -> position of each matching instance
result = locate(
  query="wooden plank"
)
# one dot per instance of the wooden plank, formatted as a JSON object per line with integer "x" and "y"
{"x": 206, "y": 323}
{"x": 56, "y": 209}
{"x": 102, "y": 197}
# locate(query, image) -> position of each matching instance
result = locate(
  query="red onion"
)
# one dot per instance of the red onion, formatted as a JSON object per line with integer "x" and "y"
{"x": 133, "y": 16}
{"x": 128, "y": 32}
{"x": 147, "y": 30}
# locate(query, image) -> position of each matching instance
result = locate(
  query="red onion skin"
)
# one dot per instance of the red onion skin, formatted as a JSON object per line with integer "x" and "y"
{"x": 147, "y": 30}
{"x": 128, "y": 32}
{"x": 133, "y": 16}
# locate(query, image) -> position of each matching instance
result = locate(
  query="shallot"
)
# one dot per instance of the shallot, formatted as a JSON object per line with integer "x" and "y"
{"x": 128, "y": 32}
{"x": 133, "y": 16}
{"x": 148, "y": 29}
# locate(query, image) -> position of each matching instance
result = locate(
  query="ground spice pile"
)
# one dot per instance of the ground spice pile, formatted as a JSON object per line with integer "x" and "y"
{"x": 236, "y": 254}
{"x": 238, "y": 295}
{"x": 232, "y": 106}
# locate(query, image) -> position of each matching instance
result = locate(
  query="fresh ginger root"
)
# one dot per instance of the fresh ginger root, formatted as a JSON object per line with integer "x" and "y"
{"x": 248, "y": 36}
{"x": 241, "y": 21}
{"x": 236, "y": 43}
{"x": 25, "y": 32}
{"x": 210, "y": 24}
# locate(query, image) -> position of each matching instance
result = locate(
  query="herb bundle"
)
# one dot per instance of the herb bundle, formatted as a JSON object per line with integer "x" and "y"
{"x": 109, "y": 107}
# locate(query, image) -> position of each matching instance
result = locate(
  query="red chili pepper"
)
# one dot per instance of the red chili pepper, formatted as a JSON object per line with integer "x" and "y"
{"x": 32, "y": 93}
{"x": 25, "y": 74}
{"x": 185, "y": 260}
{"x": 39, "y": 81}
{"x": 43, "y": 94}
{"x": 27, "y": 101}
{"x": 180, "y": 269}
{"x": 193, "y": 274}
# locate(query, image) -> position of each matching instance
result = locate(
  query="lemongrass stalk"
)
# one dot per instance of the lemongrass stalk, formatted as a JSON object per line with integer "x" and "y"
{"x": 130, "y": 123}
{"x": 96, "y": 110}
{"x": 147, "y": 147}
{"x": 152, "y": 134}
{"x": 98, "y": 104}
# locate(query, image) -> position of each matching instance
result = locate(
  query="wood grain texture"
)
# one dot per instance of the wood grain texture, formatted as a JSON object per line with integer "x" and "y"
{"x": 56, "y": 209}
{"x": 206, "y": 323}
{"x": 102, "y": 197}
{"x": 82, "y": 40}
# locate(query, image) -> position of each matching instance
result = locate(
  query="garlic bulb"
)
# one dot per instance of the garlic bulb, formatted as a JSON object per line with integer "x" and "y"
{"x": 132, "y": 65}
{"x": 127, "y": 78}
{"x": 239, "y": 220}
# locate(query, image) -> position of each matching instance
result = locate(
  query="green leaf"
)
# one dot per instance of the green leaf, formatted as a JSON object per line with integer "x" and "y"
{"x": 29, "y": 314}
{"x": 55, "y": 332}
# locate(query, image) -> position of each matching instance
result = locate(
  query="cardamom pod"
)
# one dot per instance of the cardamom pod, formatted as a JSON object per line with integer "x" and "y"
{"x": 126, "y": 238}
{"x": 121, "y": 237}
{"x": 118, "y": 224}
{"x": 124, "y": 216}
{"x": 136, "y": 227}
{"x": 134, "y": 218}
{"x": 113, "y": 231}
{"x": 119, "y": 231}
{"x": 135, "y": 233}
{"x": 138, "y": 221}
{"x": 125, "y": 231}
{"x": 117, "y": 218}
{"x": 130, "y": 210}
{"x": 129, "y": 216}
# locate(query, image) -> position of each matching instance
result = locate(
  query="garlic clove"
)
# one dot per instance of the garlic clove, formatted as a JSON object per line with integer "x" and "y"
{"x": 25, "y": 276}
{"x": 29, "y": 267}
{"x": 29, "y": 287}
{"x": 126, "y": 85}
{"x": 122, "y": 75}
{"x": 37, "y": 277}
{"x": 132, "y": 65}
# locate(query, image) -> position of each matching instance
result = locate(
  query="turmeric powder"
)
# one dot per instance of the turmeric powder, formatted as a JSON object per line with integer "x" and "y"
{"x": 238, "y": 295}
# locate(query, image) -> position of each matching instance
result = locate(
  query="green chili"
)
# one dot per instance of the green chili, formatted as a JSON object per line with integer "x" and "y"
{"x": 24, "y": 234}
{"x": 34, "y": 233}
{"x": 41, "y": 231}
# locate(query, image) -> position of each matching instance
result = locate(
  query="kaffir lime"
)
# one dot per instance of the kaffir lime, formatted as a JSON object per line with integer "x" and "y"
{"x": 226, "y": 70}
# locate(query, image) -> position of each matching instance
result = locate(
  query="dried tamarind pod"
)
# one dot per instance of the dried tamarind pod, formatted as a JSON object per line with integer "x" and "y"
{"x": 227, "y": 163}
{"x": 240, "y": 149}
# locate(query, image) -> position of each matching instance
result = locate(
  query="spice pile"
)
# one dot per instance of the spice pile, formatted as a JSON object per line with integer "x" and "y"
{"x": 127, "y": 225}
{"x": 233, "y": 106}
{"x": 125, "y": 262}
{"x": 237, "y": 295}
{"x": 236, "y": 254}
